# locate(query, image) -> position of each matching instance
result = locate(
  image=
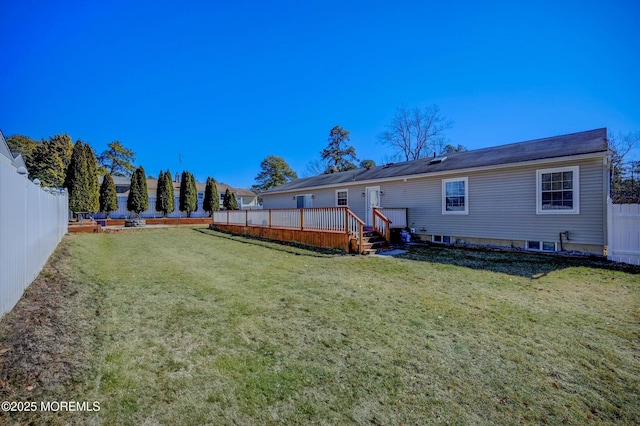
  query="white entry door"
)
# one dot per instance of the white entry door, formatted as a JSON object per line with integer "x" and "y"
{"x": 372, "y": 199}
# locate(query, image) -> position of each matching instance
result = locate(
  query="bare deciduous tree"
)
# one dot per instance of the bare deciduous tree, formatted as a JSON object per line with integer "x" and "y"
{"x": 623, "y": 172}
{"x": 415, "y": 133}
{"x": 315, "y": 168}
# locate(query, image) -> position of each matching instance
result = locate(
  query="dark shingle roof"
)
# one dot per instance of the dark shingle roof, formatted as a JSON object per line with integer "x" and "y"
{"x": 589, "y": 142}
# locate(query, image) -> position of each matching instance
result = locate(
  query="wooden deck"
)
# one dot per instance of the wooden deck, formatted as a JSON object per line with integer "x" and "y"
{"x": 326, "y": 239}
{"x": 330, "y": 227}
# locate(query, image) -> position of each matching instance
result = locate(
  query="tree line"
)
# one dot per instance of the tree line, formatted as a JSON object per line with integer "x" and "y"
{"x": 420, "y": 132}
{"x": 412, "y": 134}
{"x": 57, "y": 162}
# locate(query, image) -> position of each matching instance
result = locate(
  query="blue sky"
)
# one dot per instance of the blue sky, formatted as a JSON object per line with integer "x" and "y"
{"x": 220, "y": 85}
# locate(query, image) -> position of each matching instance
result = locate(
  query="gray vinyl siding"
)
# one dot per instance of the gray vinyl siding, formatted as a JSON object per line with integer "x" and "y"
{"x": 502, "y": 204}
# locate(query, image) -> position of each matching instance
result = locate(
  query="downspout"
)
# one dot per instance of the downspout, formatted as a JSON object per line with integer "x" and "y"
{"x": 566, "y": 236}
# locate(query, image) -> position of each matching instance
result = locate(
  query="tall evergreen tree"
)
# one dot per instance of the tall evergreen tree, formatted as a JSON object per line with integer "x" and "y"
{"x": 211, "y": 197}
{"x": 24, "y": 146}
{"x": 138, "y": 200}
{"x": 74, "y": 179}
{"x": 108, "y": 196}
{"x": 170, "y": 200}
{"x": 93, "y": 200}
{"x": 81, "y": 180}
{"x": 50, "y": 160}
{"x": 188, "y": 194}
{"x": 275, "y": 172}
{"x": 230, "y": 201}
{"x": 164, "y": 194}
{"x": 337, "y": 153}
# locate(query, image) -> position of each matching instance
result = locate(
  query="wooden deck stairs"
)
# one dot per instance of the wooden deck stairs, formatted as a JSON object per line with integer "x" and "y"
{"x": 372, "y": 242}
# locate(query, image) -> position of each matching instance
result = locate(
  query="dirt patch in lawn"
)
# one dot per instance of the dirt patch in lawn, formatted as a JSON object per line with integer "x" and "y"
{"x": 44, "y": 342}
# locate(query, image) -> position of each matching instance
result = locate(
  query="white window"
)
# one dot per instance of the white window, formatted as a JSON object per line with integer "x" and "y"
{"x": 542, "y": 246}
{"x": 557, "y": 191}
{"x": 342, "y": 197}
{"x": 455, "y": 196}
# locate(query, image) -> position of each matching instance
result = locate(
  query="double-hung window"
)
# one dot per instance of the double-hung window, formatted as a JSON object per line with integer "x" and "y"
{"x": 455, "y": 198}
{"x": 557, "y": 191}
{"x": 342, "y": 197}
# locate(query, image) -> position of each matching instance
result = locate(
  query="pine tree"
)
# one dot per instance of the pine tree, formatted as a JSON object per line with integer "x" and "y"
{"x": 170, "y": 199}
{"x": 93, "y": 185}
{"x": 50, "y": 161}
{"x": 233, "y": 202}
{"x": 164, "y": 194}
{"x": 194, "y": 191}
{"x": 338, "y": 153}
{"x": 138, "y": 200}
{"x": 188, "y": 194}
{"x": 108, "y": 196}
{"x": 230, "y": 202}
{"x": 82, "y": 180}
{"x": 75, "y": 180}
{"x": 211, "y": 197}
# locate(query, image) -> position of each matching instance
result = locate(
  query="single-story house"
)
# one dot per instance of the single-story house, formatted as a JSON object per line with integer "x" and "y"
{"x": 247, "y": 199}
{"x": 546, "y": 194}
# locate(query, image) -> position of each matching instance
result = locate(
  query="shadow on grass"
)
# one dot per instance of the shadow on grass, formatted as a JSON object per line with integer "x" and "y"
{"x": 291, "y": 247}
{"x": 522, "y": 264}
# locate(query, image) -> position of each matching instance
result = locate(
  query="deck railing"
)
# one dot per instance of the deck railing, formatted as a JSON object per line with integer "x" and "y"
{"x": 381, "y": 224}
{"x": 355, "y": 227}
{"x": 328, "y": 219}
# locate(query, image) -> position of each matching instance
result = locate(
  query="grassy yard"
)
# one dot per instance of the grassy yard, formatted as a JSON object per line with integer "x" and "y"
{"x": 191, "y": 326}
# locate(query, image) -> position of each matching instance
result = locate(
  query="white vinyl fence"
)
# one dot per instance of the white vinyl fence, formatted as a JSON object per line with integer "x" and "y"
{"x": 32, "y": 223}
{"x": 624, "y": 233}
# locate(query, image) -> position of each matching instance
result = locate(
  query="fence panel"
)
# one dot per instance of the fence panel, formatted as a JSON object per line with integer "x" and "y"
{"x": 624, "y": 233}
{"x": 258, "y": 218}
{"x": 32, "y": 223}
{"x": 324, "y": 219}
{"x": 237, "y": 217}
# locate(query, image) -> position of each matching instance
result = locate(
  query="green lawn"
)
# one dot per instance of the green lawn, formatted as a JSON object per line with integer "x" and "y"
{"x": 191, "y": 326}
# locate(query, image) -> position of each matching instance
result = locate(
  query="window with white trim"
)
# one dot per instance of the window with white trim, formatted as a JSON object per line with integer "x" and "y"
{"x": 455, "y": 196}
{"x": 557, "y": 191}
{"x": 342, "y": 197}
{"x": 542, "y": 246}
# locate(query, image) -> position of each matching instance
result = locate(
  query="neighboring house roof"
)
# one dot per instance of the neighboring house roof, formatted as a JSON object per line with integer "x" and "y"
{"x": 589, "y": 142}
{"x": 4, "y": 148}
{"x": 17, "y": 160}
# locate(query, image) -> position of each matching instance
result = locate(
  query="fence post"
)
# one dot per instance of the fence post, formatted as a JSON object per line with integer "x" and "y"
{"x": 227, "y": 217}
{"x": 269, "y": 218}
{"x": 301, "y": 219}
{"x": 609, "y": 237}
{"x": 246, "y": 218}
{"x": 346, "y": 220}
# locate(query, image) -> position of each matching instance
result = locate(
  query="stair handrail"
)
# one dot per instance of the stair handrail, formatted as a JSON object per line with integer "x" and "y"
{"x": 385, "y": 222}
{"x": 354, "y": 225}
